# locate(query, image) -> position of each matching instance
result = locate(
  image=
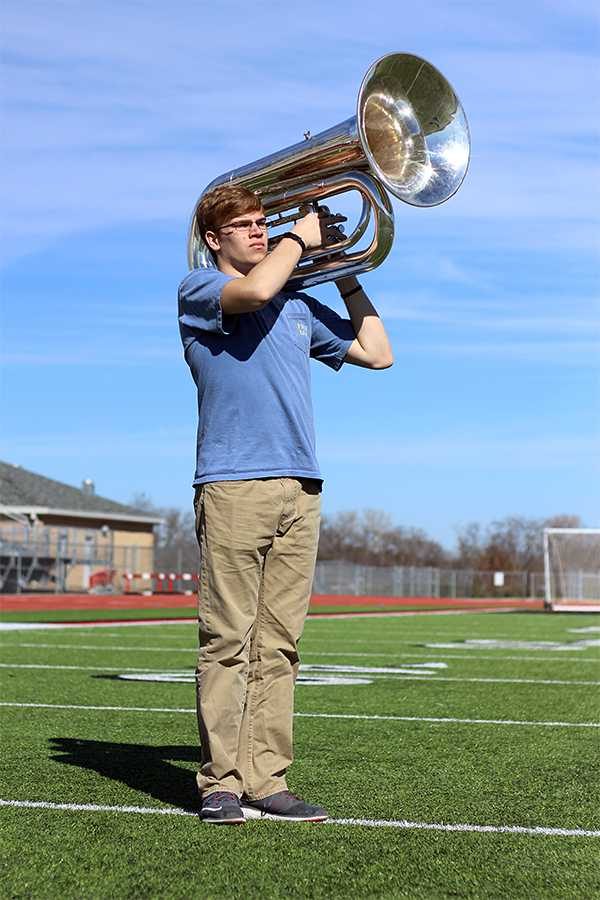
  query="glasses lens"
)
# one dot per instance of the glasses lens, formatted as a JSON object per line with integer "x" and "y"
{"x": 246, "y": 225}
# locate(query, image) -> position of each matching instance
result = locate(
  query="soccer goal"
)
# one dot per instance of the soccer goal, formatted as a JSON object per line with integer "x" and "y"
{"x": 572, "y": 569}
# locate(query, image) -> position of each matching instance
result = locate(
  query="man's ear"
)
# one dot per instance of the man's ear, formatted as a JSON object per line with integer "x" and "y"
{"x": 212, "y": 241}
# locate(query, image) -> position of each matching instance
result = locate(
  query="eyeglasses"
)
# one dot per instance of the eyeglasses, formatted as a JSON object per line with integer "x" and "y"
{"x": 245, "y": 225}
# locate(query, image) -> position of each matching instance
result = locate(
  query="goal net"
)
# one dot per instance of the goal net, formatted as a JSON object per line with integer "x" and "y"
{"x": 572, "y": 569}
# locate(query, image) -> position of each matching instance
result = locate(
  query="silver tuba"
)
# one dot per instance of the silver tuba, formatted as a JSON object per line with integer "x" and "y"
{"x": 409, "y": 137}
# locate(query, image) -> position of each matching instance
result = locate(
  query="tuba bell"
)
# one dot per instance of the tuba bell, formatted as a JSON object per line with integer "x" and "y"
{"x": 409, "y": 137}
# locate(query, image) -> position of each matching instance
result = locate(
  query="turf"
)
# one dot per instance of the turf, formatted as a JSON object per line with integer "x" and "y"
{"x": 444, "y": 772}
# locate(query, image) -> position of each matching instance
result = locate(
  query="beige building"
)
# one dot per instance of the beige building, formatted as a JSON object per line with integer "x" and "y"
{"x": 54, "y": 536}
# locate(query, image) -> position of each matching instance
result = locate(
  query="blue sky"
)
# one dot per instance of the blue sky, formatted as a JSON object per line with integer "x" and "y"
{"x": 116, "y": 115}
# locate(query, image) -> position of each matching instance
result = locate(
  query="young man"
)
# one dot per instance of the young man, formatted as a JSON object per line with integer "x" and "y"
{"x": 248, "y": 342}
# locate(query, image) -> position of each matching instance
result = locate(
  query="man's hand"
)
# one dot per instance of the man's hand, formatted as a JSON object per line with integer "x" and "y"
{"x": 309, "y": 229}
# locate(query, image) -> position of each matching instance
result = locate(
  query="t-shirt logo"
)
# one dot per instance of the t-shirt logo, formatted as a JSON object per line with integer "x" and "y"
{"x": 302, "y": 329}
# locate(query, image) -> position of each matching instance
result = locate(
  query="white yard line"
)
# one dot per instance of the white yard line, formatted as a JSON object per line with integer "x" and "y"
{"x": 537, "y": 830}
{"x": 447, "y": 720}
{"x": 80, "y": 668}
{"x": 126, "y": 647}
{"x": 142, "y": 709}
{"x": 189, "y": 710}
{"x": 385, "y": 614}
{"x": 88, "y": 626}
{"x": 469, "y": 655}
{"x": 472, "y": 655}
{"x": 418, "y": 676}
{"x": 499, "y": 680}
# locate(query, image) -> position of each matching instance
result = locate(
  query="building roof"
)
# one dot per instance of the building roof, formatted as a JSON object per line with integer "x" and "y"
{"x": 23, "y": 491}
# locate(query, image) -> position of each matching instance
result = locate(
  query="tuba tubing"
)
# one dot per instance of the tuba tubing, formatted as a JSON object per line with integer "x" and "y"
{"x": 409, "y": 137}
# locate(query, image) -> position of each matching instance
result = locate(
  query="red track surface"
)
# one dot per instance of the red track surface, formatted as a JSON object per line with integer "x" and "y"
{"x": 40, "y": 602}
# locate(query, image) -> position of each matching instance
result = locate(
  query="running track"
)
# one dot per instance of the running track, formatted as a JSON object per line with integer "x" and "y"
{"x": 42, "y": 602}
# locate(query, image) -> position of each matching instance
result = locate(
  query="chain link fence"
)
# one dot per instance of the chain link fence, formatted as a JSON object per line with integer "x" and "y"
{"x": 61, "y": 565}
{"x": 341, "y": 577}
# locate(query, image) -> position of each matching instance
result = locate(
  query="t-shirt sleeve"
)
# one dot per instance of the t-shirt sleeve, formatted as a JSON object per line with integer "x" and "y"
{"x": 199, "y": 301}
{"x": 331, "y": 335}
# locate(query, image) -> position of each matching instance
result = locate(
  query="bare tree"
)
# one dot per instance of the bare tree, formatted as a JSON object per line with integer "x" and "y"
{"x": 176, "y": 549}
{"x": 513, "y": 544}
{"x": 369, "y": 537}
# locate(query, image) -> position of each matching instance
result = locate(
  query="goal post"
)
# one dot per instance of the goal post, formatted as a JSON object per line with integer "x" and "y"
{"x": 572, "y": 569}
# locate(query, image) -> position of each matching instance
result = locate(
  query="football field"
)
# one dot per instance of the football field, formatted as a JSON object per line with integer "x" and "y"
{"x": 458, "y": 755}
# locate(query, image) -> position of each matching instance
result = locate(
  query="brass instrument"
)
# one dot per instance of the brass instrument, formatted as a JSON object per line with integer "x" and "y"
{"x": 409, "y": 137}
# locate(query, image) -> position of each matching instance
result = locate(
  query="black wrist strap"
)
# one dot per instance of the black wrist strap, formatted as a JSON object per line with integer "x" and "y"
{"x": 353, "y": 291}
{"x": 294, "y": 237}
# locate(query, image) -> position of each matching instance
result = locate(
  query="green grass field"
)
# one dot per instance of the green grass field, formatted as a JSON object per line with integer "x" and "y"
{"x": 400, "y": 758}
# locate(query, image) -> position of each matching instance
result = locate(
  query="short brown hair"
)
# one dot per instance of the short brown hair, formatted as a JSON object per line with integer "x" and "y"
{"x": 223, "y": 203}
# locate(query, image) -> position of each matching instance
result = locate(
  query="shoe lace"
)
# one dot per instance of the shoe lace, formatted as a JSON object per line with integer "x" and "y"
{"x": 222, "y": 795}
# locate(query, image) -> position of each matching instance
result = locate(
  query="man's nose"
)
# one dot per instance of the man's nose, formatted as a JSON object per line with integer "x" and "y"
{"x": 255, "y": 228}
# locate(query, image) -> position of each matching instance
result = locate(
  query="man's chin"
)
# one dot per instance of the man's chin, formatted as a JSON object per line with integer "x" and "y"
{"x": 258, "y": 255}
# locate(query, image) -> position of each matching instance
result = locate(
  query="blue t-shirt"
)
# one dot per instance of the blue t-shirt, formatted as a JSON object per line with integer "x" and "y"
{"x": 252, "y": 371}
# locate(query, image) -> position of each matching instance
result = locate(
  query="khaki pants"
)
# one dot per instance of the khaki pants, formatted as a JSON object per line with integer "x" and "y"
{"x": 258, "y": 544}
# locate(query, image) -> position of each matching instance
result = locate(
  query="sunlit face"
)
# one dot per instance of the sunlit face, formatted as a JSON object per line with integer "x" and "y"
{"x": 240, "y": 243}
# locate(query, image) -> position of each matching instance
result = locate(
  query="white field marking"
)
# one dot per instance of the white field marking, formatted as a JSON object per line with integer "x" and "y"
{"x": 409, "y": 669}
{"x": 107, "y": 647}
{"x": 359, "y": 716}
{"x": 153, "y": 709}
{"x": 174, "y": 674}
{"x": 159, "y": 638}
{"x": 42, "y": 626}
{"x": 308, "y": 675}
{"x": 468, "y": 646}
{"x": 81, "y": 668}
{"x": 307, "y": 638}
{"x": 27, "y": 626}
{"x": 536, "y": 830}
{"x": 416, "y": 641}
{"x": 470, "y": 656}
{"x": 423, "y": 612}
{"x": 319, "y": 679}
{"x": 416, "y": 676}
{"x": 446, "y": 720}
{"x": 426, "y": 676}
{"x": 494, "y": 680}
{"x": 592, "y": 629}
{"x": 495, "y": 644}
{"x": 465, "y": 657}
{"x": 325, "y": 680}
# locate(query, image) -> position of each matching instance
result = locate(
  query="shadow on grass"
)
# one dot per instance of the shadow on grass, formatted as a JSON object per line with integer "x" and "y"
{"x": 147, "y": 769}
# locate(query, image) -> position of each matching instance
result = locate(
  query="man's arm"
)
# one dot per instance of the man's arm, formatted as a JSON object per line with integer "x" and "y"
{"x": 371, "y": 348}
{"x": 267, "y": 278}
